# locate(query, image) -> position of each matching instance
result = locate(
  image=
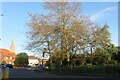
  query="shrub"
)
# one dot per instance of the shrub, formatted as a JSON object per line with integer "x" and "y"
{"x": 112, "y": 68}
{"x": 52, "y": 66}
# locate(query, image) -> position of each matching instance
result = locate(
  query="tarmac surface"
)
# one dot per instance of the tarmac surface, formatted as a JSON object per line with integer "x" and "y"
{"x": 29, "y": 74}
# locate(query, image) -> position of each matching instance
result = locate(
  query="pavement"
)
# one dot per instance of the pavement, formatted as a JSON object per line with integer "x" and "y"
{"x": 29, "y": 74}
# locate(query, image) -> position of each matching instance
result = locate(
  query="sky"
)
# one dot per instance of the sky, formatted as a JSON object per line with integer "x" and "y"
{"x": 15, "y": 16}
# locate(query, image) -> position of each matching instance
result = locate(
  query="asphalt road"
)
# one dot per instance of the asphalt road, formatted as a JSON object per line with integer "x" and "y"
{"x": 29, "y": 74}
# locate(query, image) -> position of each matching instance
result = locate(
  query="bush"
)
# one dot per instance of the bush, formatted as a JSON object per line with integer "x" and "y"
{"x": 91, "y": 69}
{"x": 79, "y": 69}
{"x": 65, "y": 69}
{"x": 52, "y": 66}
{"x": 112, "y": 68}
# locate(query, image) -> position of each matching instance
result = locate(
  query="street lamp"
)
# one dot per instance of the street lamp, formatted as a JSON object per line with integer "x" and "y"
{"x": 1, "y": 14}
{"x": 0, "y": 40}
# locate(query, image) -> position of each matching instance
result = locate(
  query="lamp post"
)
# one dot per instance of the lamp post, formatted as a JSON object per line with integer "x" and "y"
{"x": 1, "y": 14}
{"x": 0, "y": 57}
{"x": 0, "y": 40}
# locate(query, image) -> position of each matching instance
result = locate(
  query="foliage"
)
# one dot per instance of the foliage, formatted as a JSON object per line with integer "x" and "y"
{"x": 21, "y": 59}
{"x": 104, "y": 69}
{"x": 116, "y": 56}
{"x": 3, "y": 62}
{"x": 64, "y": 32}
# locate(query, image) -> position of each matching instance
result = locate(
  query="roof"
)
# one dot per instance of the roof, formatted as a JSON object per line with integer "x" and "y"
{"x": 1, "y": 49}
{"x": 7, "y": 52}
{"x": 32, "y": 57}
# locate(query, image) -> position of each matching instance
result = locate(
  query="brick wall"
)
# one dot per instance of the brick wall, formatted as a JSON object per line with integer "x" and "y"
{"x": 7, "y": 56}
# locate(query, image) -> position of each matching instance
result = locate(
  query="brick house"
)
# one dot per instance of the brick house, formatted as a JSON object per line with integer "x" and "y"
{"x": 7, "y": 56}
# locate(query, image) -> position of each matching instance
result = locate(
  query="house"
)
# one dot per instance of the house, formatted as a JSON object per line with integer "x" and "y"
{"x": 33, "y": 61}
{"x": 45, "y": 58}
{"x": 8, "y": 56}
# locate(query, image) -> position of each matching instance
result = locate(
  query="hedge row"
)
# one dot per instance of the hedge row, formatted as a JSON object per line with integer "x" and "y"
{"x": 90, "y": 69}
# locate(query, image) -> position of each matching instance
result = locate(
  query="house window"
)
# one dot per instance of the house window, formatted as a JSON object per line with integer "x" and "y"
{"x": 9, "y": 62}
{"x": 10, "y": 58}
{"x": 13, "y": 59}
{"x": 6, "y": 57}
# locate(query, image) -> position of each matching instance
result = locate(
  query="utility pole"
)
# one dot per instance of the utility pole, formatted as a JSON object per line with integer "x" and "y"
{"x": 0, "y": 39}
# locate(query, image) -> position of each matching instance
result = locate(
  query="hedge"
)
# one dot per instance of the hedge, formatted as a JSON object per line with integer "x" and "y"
{"x": 109, "y": 68}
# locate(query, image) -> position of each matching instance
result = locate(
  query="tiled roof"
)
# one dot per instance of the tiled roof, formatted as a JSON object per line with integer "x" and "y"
{"x": 9, "y": 54}
{"x": 32, "y": 57}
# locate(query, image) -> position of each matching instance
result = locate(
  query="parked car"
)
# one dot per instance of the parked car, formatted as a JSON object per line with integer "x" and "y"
{"x": 4, "y": 65}
{"x": 9, "y": 65}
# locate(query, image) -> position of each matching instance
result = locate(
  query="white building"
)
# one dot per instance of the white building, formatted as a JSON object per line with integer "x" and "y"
{"x": 45, "y": 58}
{"x": 33, "y": 61}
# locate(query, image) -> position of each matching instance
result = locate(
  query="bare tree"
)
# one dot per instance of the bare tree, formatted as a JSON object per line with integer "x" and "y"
{"x": 64, "y": 31}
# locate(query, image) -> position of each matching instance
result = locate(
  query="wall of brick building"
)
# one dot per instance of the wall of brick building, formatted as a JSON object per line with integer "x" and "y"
{"x": 7, "y": 56}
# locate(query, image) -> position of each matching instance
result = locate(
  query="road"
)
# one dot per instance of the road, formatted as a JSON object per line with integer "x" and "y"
{"x": 25, "y": 73}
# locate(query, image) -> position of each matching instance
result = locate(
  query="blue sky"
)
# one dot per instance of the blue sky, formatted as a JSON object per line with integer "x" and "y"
{"x": 15, "y": 16}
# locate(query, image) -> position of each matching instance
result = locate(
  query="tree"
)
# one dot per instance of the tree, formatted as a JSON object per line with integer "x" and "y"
{"x": 52, "y": 31}
{"x": 65, "y": 32}
{"x": 3, "y": 62}
{"x": 21, "y": 59}
{"x": 104, "y": 48}
{"x": 116, "y": 56}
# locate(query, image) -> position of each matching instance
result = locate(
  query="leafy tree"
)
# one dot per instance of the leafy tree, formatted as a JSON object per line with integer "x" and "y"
{"x": 104, "y": 49}
{"x": 21, "y": 59}
{"x": 116, "y": 56}
{"x": 3, "y": 62}
{"x": 52, "y": 31}
{"x": 65, "y": 32}
{"x": 106, "y": 45}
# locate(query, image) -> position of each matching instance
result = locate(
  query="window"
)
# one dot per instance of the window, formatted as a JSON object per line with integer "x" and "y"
{"x": 6, "y": 57}
{"x": 13, "y": 59}
{"x": 9, "y": 62}
{"x": 10, "y": 58}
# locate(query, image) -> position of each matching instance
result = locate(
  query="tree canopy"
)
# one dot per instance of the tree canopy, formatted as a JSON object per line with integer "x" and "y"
{"x": 65, "y": 32}
{"x": 21, "y": 59}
